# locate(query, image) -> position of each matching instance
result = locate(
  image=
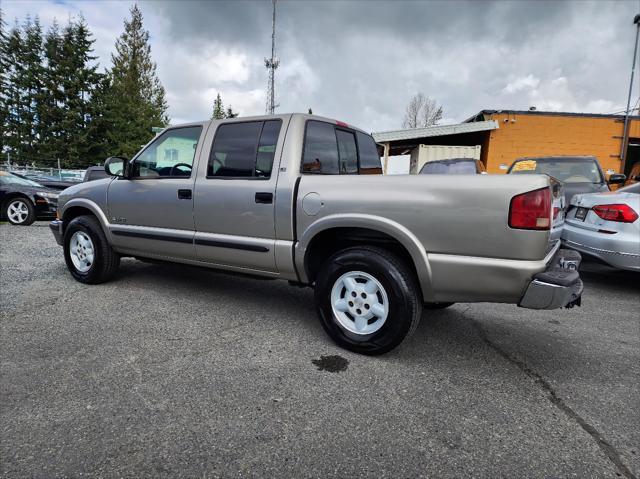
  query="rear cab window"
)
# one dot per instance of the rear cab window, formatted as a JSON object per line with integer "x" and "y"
{"x": 244, "y": 150}
{"x": 331, "y": 149}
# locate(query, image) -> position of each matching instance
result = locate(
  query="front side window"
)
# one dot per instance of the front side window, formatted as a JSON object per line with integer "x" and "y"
{"x": 244, "y": 150}
{"x": 170, "y": 155}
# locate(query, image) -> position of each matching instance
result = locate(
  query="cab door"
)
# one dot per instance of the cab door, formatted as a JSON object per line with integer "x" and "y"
{"x": 151, "y": 210}
{"x": 235, "y": 194}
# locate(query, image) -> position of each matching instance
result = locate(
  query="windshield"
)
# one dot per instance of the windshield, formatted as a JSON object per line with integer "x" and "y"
{"x": 11, "y": 179}
{"x": 567, "y": 170}
{"x": 449, "y": 167}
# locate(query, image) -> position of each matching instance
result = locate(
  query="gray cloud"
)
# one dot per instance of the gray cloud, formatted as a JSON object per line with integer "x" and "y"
{"x": 361, "y": 61}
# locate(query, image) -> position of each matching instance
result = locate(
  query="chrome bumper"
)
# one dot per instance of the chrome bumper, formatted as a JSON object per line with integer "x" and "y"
{"x": 559, "y": 286}
{"x": 56, "y": 229}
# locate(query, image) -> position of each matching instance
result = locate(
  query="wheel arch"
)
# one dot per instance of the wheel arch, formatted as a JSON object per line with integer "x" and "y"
{"x": 333, "y": 233}
{"x": 81, "y": 206}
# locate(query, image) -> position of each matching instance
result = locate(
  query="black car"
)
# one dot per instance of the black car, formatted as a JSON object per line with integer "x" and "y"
{"x": 23, "y": 201}
{"x": 579, "y": 174}
{"x": 95, "y": 173}
{"x": 48, "y": 182}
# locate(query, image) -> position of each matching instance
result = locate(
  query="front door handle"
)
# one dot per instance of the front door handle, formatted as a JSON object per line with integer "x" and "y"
{"x": 184, "y": 194}
{"x": 264, "y": 197}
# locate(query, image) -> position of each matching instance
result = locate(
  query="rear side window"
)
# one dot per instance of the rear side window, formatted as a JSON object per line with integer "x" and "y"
{"x": 244, "y": 150}
{"x": 370, "y": 163}
{"x": 331, "y": 150}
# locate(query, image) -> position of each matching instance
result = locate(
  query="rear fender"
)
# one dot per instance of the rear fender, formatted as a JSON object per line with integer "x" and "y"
{"x": 384, "y": 225}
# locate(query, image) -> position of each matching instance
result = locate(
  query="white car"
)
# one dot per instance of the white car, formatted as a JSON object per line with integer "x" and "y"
{"x": 606, "y": 225}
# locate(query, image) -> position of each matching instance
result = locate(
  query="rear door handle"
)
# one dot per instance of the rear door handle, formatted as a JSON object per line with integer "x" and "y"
{"x": 184, "y": 194}
{"x": 264, "y": 197}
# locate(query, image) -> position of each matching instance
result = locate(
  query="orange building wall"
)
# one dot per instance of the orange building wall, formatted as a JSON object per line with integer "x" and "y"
{"x": 546, "y": 135}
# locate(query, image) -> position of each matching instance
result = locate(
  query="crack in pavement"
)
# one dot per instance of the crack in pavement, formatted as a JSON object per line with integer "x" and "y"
{"x": 609, "y": 450}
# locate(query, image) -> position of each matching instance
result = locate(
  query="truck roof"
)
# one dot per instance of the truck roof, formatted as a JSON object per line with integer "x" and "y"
{"x": 304, "y": 116}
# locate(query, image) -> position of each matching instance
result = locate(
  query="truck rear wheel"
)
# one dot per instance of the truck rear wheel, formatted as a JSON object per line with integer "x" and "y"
{"x": 368, "y": 299}
{"x": 87, "y": 252}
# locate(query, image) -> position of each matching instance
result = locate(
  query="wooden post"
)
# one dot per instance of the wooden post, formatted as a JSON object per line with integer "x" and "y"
{"x": 386, "y": 157}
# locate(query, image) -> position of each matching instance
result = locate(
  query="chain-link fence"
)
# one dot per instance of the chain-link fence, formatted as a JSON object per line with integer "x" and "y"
{"x": 44, "y": 172}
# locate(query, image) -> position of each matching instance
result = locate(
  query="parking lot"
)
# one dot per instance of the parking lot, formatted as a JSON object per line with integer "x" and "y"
{"x": 172, "y": 370}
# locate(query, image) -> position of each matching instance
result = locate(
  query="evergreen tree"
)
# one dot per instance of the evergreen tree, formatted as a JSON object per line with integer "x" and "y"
{"x": 52, "y": 104}
{"x": 219, "y": 112}
{"x": 136, "y": 100}
{"x": 11, "y": 95}
{"x": 30, "y": 85}
{"x": 4, "y": 85}
{"x": 218, "y": 109}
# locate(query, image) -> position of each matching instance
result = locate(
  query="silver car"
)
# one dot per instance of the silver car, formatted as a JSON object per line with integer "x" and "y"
{"x": 606, "y": 225}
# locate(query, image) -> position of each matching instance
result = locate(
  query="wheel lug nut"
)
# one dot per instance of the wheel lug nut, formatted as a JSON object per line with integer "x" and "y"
{"x": 354, "y": 294}
{"x": 364, "y": 295}
{"x": 359, "y": 311}
{"x": 350, "y": 303}
{"x": 366, "y": 306}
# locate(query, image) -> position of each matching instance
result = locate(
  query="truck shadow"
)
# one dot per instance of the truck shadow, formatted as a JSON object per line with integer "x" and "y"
{"x": 452, "y": 333}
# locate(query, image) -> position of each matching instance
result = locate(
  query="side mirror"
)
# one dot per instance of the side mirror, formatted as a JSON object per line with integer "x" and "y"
{"x": 616, "y": 179}
{"x": 116, "y": 166}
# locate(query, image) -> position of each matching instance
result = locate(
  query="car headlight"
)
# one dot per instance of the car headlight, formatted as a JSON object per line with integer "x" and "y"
{"x": 49, "y": 196}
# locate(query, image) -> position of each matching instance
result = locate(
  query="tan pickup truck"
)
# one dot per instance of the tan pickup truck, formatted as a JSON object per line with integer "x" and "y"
{"x": 302, "y": 198}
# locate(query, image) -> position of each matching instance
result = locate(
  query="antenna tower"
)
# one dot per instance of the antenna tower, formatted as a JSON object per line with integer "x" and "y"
{"x": 272, "y": 64}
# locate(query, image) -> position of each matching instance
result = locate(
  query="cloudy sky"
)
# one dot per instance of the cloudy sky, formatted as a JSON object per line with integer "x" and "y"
{"x": 361, "y": 61}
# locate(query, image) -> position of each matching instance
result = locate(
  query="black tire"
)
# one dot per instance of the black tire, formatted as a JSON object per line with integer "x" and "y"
{"x": 437, "y": 305}
{"x": 399, "y": 283}
{"x": 105, "y": 262}
{"x": 31, "y": 210}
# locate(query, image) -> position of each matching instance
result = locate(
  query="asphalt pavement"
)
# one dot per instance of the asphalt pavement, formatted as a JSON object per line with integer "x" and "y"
{"x": 174, "y": 371}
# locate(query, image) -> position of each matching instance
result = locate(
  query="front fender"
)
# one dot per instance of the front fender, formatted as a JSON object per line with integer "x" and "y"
{"x": 92, "y": 207}
{"x": 405, "y": 237}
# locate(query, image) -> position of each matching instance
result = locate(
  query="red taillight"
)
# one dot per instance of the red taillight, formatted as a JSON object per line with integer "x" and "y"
{"x": 342, "y": 123}
{"x": 621, "y": 213}
{"x": 531, "y": 211}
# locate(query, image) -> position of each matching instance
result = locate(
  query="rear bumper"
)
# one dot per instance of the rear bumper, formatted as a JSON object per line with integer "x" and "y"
{"x": 559, "y": 286}
{"x": 56, "y": 229}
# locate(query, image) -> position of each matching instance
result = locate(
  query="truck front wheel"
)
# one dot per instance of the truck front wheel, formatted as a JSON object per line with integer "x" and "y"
{"x": 87, "y": 252}
{"x": 368, "y": 299}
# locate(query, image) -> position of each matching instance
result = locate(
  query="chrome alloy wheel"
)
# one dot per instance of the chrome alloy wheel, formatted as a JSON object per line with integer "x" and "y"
{"x": 359, "y": 302}
{"x": 18, "y": 211}
{"x": 81, "y": 251}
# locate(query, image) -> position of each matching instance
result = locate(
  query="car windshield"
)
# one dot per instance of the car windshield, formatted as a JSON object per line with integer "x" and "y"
{"x": 11, "y": 179}
{"x": 449, "y": 167}
{"x": 567, "y": 170}
{"x": 634, "y": 188}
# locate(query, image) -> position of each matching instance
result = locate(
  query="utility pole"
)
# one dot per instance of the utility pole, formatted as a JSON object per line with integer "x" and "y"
{"x": 272, "y": 64}
{"x": 625, "y": 134}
